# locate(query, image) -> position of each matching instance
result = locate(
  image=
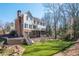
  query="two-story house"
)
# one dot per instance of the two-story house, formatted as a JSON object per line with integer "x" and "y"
{"x": 26, "y": 24}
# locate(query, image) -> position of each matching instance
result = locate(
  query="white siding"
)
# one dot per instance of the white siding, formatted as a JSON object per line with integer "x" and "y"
{"x": 29, "y": 21}
{"x": 40, "y": 27}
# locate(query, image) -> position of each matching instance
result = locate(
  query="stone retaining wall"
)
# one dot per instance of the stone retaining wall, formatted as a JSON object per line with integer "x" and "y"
{"x": 14, "y": 40}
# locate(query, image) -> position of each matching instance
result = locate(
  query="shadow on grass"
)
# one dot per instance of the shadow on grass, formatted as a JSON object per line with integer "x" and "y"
{"x": 63, "y": 49}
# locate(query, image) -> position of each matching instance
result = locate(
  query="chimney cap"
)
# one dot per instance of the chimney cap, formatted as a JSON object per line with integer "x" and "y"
{"x": 19, "y": 11}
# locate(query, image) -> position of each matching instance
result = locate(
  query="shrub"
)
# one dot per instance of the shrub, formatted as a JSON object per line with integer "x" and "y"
{"x": 13, "y": 33}
{"x": 69, "y": 37}
{"x": 3, "y": 39}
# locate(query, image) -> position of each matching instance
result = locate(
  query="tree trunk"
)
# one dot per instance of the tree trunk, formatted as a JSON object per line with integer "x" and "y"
{"x": 3, "y": 30}
{"x": 55, "y": 31}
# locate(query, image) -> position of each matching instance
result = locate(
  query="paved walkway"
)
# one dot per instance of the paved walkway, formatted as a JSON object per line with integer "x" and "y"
{"x": 72, "y": 51}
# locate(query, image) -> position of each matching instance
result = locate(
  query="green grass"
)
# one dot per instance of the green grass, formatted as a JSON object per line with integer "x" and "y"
{"x": 45, "y": 48}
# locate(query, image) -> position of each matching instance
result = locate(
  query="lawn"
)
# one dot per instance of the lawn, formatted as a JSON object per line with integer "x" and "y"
{"x": 46, "y": 48}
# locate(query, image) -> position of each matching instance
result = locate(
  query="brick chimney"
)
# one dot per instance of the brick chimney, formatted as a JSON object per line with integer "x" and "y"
{"x": 19, "y": 13}
{"x": 18, "y": 23}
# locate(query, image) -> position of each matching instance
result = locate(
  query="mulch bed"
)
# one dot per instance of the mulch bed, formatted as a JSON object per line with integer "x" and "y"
{"x": 12, "y": 50}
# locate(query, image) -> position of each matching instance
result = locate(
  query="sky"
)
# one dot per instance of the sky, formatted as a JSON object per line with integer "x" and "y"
{"x": 8, "y": 10}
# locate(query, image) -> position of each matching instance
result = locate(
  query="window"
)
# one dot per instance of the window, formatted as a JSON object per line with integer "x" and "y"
{"x": 34, "y": 21}
{"x": 26, "y": 25}
{"x": 34, "y": 27}
{"x": 43, "y": 24}
{"x": 30, "y": 26}
{"x": 38, "y": 22}
{"x": 27, "y": 17}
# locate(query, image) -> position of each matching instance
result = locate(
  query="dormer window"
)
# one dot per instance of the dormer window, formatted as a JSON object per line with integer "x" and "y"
{"x": 38, "y": 22}
{"x": 28, "y": 18}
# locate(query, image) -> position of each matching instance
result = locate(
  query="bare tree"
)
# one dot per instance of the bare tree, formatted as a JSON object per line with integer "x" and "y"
{"x": 63, "y": 13}
{"x": 1, "y": 26}
{"x": 72, "y": 10}
{"x": 53, "y": 9}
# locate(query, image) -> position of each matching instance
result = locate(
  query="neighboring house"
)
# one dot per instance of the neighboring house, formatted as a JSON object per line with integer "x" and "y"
{"x": 9, "y": 27}
{"x": 1, "y": 31}
{"x": 26, "y": 24}
{"x": 70, "y": 23}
